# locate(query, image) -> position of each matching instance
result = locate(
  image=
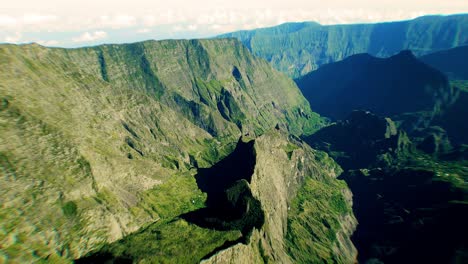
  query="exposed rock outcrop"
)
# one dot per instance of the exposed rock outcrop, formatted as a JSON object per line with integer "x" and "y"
{"x": 278, "y": 178}
{"x": 91, "y": 138}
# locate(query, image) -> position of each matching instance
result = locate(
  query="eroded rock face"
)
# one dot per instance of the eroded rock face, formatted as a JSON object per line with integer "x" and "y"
{"x": 272, "y": 200}
{"x": 282, "y": 167}
{"x": 91, "y": 137}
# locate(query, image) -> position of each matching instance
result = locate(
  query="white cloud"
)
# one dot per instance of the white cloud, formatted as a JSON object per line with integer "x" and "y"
{"x": 48, "y": 42}
{"x": 7, "y": 21}
{"x": 34, "y": 19}
{"x": 143, "y": 30}
{"x": 27, "y": 21}
{"x": 192, "y": 27}
{"x": 56, "y": 19}
{"x": 177, "y": 28}
{"x": 89, "y": 37}
{"x": 13, "y": 38}
{"x": 117, "y": 21}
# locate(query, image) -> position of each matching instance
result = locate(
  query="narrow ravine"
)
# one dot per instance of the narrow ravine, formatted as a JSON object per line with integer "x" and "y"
{"x": 230, "y": 209}
{"x": 230, "y": 203}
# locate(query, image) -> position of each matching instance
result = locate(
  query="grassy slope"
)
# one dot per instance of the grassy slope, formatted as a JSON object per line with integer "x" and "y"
{"x": 194, "y": 76}
{"x": 63, "y": 139}
{"x": 316, "y": 226}
{"x": 297, "y": 228}
{"x": 91, "y": 137}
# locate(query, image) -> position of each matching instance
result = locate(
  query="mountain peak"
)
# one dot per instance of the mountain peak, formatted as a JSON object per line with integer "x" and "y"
{"x": 387, "y": 87}
{"x": 404, "y": 55}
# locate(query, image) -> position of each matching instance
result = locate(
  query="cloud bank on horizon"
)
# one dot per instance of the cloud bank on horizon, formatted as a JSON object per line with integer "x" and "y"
{"x": 90, "y": 22}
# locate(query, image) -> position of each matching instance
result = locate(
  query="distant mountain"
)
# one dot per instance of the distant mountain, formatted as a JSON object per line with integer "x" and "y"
{"x": 387, "y": 87}
{"x": 298, "y": 48}
{"x": 452, "y": 62}
{"x": 453, "y": 118}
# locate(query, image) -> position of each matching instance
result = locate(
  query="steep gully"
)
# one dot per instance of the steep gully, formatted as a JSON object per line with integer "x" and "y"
{"x": 404, "y": 216}
{"x": 230, "y": 204}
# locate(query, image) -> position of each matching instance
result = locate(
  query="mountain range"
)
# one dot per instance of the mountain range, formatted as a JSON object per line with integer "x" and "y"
{"x": 415, "y": 92}
{"x": 199, "y": 151}
{"x": 299, "y": 48}
{"x": 386, "y": 87}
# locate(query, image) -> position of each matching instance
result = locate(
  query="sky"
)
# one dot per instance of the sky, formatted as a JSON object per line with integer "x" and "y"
{"x": 70, "y": 23}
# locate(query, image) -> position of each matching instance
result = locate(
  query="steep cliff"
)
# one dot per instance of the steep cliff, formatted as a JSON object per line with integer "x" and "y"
{"x": 297, "y": 228}
{"x": 102, "y": 142}
{"x": 299, "y": 48}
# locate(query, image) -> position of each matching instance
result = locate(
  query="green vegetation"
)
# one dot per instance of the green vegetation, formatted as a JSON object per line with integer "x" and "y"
{"x": 450, "y": 170}
{"x": 69, "y": 209}
{"x": 407, "y": 199}
{"x": 178, "y": 195}
{"x": 169, "y": 238}
{"x": 299, "y": 48}
{"x": 289, "y": 149}
{"x": 314, "y": 220}
{"x": 460, "y": 84}
{"x": 166, "y": 242}
{"x": 111, "y": 137}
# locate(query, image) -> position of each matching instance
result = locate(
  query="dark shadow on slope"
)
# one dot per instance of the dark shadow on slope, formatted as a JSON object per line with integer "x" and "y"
{"x": 239, "y": 165}
{"x": 106, "y": 258}
{"x": 360, "y": 140}
{"x": 407, "y": 216}
{"x": 230, "y": 203}
{"x": 387, "y": 87}
{"x": 408, "y": 209}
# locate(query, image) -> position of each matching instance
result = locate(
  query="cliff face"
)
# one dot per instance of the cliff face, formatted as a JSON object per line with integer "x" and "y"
{"x": 216, "y": 84}
{"x": 297, "y": 228}
{"x": 299, "y": 48}
{"x": 100, "y": 142}
{"x": 272, "y": 200}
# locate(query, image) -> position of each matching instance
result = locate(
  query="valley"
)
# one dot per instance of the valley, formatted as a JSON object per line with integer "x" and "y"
{"x": 207, "y": 151}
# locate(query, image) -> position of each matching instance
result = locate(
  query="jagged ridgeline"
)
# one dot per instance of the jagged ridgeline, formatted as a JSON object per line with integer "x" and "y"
{"x": 391, "y": 86}
{"x": 98, "y": 143}
{"x": 299, "y": 48}
{"x": 196, "y": 77}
